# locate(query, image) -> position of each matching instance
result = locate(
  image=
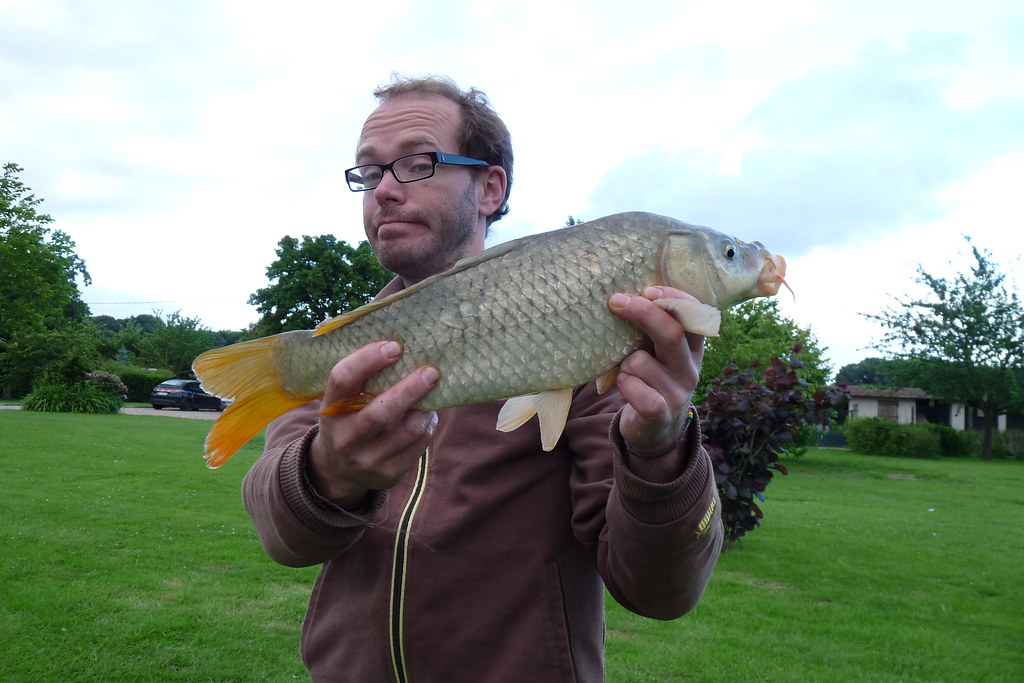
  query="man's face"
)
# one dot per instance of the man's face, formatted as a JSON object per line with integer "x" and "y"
{"x": 421, "y": 228}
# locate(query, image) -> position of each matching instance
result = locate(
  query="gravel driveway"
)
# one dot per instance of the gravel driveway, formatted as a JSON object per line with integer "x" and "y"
{"x": 167, "y": 412}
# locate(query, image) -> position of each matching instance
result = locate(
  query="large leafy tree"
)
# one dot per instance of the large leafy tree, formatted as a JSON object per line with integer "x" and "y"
{"x": 61, "y": 356}
{"x": 966, "y": 335}
{"x": 38, "y": 272}
{"x": 753, "y": 333}
{"x": 315, "y": 279}
{"x": 176, "y": 343}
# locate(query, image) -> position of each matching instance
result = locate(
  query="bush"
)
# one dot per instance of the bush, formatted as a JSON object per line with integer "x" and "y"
{"x": 75, "y": 398}
{"x": 748, "y": 421}
{"x": 872, "y": 435}
{"x": 953, "y": 443}
{"x": 1011, "y": 443}
{"x": 139, "y": 382}
{"x": 108, "y": 383}
{"x": 916, "y": 441}
{"x": 49, "y": 357}
{"x": 878, "y": 436}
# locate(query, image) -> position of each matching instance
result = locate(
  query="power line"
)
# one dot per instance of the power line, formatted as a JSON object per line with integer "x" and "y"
{"x": 169, "y": 301}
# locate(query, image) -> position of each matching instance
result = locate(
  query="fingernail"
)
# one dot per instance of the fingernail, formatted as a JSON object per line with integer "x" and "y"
{"x": 431, "y": 425}
{"x": 429, "y": 375}
{"x": 391, "y": 349}
{"x": 654, "y": 293}
{"x": 618, "y": 300}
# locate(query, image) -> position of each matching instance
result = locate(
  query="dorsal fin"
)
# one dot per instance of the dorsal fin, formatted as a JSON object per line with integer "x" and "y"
{"x": 357, "y": 313}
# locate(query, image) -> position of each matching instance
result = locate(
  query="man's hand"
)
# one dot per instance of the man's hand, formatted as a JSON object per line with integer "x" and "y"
{"x": 658, "y": 383}
{"x": 372, "y": 449}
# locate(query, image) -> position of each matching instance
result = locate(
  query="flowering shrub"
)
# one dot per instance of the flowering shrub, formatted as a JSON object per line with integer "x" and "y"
{"x": 107, "y": 383}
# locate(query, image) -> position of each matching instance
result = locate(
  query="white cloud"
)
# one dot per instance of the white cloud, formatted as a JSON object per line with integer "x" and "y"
{"x": 203, "y": 132}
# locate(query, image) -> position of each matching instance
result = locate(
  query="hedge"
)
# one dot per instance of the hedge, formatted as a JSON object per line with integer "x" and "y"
{"x": 139, "y": 381}
{"x": 878, "y": 436}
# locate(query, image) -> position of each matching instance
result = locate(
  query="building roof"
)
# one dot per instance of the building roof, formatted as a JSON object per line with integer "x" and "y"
{"x": 873, "y": 392}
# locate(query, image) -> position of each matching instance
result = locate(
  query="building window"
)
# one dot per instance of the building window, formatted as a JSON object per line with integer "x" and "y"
{"x": 889, "y": 409}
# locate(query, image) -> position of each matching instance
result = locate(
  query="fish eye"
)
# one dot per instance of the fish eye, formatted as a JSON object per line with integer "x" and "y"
{"x": 730, "y": 251}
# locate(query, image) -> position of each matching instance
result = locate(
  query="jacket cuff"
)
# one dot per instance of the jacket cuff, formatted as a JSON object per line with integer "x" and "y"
{"x": 309, "y": 507}
{"x": 661, "y": 503}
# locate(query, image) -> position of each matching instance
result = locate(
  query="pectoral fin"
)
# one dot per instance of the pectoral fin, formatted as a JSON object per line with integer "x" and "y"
{"x": 349, "y": 404}
{"x": 607, "y": 380}
{"x": 693, "y": 315}
{"x": 551, "y": 408}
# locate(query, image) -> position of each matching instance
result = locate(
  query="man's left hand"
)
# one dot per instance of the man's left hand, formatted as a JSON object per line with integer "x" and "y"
{"x": 656, "y": 383}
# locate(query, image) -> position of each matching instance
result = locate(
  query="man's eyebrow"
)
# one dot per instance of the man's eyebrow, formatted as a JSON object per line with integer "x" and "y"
{"x": 369, "y": 151}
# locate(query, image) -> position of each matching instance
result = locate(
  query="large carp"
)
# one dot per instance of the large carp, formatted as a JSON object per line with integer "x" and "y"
{"x": 528, "y": 317}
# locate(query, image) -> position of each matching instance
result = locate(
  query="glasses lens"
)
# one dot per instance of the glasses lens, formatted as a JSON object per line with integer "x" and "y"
{"x": 363, "y": 177}
{"x": 415, "y": 167}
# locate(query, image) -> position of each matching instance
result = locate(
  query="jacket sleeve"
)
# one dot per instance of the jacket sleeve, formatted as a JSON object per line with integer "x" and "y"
{"x": 654, "y": 544}
{"x": 295, "y": 528}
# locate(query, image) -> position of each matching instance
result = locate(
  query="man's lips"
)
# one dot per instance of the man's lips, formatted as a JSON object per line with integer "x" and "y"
{"x": 396, "y": 227}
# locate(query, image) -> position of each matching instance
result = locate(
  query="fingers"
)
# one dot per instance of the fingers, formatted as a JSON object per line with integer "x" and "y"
{"x": 657, "y": 384}
{"x": 350, "y": 374}
{"x": 373, "y": 448}
{"x": 673, "y": 346}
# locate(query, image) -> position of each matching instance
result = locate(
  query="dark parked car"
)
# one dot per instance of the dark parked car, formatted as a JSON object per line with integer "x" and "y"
{"x": 183, "y": 394}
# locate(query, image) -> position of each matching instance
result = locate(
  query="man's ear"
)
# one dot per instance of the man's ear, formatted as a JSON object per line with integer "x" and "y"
{"x": 493, "y": 182}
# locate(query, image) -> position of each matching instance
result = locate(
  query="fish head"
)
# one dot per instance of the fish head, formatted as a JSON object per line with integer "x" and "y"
{"x": 719, "y": 270}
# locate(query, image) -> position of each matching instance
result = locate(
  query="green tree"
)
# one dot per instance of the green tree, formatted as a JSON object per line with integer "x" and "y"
{"x": 38, "y": 272}
{"x": 176, "y": 344}
{"x": 889, "y": 373}
{"x": 754, "y": 332}
{"x": 313, "y": 280}
{"x": 966, "y": 335}
{"x": 62, "y": 356}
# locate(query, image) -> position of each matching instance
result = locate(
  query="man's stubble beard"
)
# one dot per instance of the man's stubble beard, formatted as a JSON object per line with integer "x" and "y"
{"x": 451, "y": 234}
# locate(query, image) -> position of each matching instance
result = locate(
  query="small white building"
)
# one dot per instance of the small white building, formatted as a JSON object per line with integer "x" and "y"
{"x": 912, "y": 406}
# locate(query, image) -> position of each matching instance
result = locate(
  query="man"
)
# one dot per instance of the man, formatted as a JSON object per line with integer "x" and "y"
{"x": 451, "y": 551}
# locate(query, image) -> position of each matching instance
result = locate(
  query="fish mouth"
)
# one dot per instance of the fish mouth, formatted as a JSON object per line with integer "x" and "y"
{"x": 773, "y": 276}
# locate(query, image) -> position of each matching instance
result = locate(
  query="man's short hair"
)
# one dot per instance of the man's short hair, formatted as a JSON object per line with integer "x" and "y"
{"x": 484, "y": 135}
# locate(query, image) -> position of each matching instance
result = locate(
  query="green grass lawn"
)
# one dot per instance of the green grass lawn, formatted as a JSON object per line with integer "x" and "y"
{"x": 124, "y": 558}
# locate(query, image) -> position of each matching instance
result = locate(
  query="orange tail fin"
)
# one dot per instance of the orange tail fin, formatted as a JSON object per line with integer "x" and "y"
{"x": 245, "y": 372}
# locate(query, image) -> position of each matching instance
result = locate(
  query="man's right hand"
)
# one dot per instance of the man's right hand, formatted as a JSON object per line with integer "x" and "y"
{"x": 370, "y": 450}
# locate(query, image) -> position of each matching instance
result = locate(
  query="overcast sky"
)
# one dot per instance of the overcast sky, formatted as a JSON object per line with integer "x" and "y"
{"x": 177, "y": 143}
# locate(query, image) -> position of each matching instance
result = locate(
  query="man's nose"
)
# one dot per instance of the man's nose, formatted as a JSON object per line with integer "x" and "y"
{"x": 389, "y": 188}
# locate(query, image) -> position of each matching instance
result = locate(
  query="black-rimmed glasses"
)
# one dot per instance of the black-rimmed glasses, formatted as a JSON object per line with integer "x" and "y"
{"x": 407, "y": 169}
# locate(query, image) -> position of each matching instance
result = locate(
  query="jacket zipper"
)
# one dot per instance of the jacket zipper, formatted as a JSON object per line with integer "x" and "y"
{"x": 398, "y": 571}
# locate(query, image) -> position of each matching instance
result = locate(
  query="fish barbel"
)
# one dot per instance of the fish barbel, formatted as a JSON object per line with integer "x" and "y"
{"x": 528, "y": 319}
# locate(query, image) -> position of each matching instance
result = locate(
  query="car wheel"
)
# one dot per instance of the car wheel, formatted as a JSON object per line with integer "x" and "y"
{"x": 220, "y": 406}
{"x": 185, "y": 405}
{"x": 156, "y": 407}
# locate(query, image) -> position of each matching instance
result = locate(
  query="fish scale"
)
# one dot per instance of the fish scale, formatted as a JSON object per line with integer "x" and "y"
{"x": 550, "y": 328}
{"x": 523, "y": 317}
